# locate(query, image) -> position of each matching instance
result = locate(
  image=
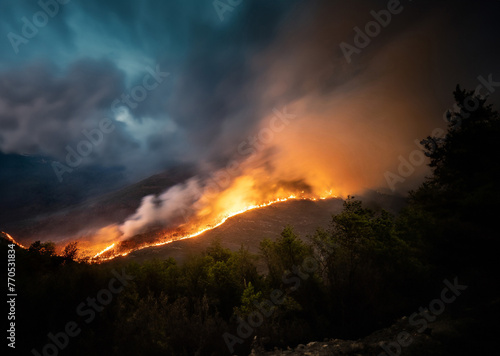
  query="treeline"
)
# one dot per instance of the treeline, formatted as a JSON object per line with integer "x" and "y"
{"x": 367, "y": 269}
{"x": 343, "y": 282}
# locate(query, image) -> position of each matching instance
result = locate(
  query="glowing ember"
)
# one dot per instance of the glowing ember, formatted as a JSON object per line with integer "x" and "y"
{"x": 214, "y": 212}
{"x": 104, "y": 251}
{"x": 108, "y": 253}
{"x": 13, "y": 240}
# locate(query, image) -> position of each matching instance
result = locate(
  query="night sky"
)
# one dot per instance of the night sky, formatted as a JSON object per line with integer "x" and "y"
{"x": 160, "y": 85}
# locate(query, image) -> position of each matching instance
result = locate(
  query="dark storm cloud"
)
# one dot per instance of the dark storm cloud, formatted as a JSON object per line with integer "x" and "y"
{"x": 226, "y": 76}
{"x": 206, "y": 95}
{"x": 51, "y": 110}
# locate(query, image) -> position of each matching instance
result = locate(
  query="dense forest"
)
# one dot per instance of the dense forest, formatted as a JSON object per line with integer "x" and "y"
{"x": 368, "y": 269}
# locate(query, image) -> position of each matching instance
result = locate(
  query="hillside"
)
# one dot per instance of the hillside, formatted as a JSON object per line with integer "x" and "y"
{"x": 95, "y": 212}
{"x": 250, "y": 228}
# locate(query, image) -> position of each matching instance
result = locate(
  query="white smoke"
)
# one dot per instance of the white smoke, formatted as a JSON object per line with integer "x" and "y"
{"x": 171, "y": 206}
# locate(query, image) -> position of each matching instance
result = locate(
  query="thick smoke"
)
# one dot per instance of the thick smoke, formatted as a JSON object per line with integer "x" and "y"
{"x": 262, "y": 106}
{"x": 351, "y": 123}
{"x": 170, "y": 208}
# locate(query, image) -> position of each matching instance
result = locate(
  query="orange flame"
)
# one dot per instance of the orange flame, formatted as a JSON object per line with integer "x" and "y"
{"x": 103, "y": 256}
{"x": 104, "y": 251}
{"x": 13, "y": 240}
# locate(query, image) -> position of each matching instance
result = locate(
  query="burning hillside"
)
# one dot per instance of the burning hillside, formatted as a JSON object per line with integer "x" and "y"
{"x": 185, "y": 231}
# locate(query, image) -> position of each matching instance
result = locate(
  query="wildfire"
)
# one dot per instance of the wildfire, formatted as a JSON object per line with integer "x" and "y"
{"x": 104, "y": 251}
{"x": 13, "y": 240}
{"x": 108, "y": 253}
{"x": 191, "y": 208}
{"x": 201, "y": 224}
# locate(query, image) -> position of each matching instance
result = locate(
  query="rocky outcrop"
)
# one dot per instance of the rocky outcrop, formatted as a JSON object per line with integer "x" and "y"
{"x": 412, "y": 341}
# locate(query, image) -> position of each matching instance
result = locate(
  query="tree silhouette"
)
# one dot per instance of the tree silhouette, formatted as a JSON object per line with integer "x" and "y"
{"x": 465, "y": 160}
{"x": 457, "y": 204}
{"x": 45, "y": 248}
{"x": 70, "y": 251}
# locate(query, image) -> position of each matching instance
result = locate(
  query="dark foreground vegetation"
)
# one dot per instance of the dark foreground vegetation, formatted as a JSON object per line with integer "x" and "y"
{"x": 369, "y": 269}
